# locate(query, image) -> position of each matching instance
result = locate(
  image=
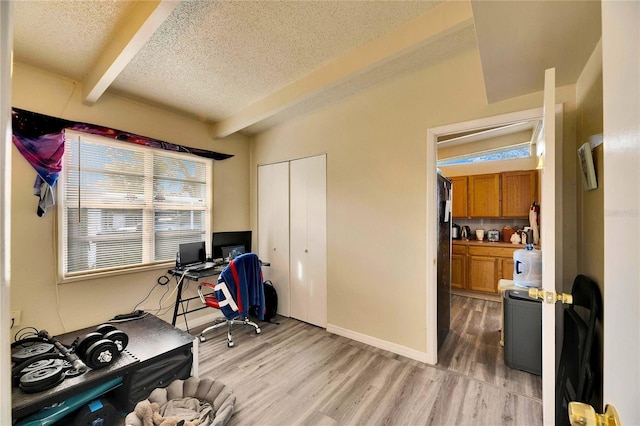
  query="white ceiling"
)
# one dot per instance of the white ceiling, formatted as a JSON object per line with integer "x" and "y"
{"x": 247, "y": 65}
{"x": 518, "y": 40}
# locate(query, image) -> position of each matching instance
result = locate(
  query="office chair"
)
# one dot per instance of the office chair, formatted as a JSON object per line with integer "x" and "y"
{"x": 577, "y": 372}
{"x": 238, "y": 289}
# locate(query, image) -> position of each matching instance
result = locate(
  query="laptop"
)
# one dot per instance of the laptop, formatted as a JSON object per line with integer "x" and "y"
{"x": 193, "y": 257}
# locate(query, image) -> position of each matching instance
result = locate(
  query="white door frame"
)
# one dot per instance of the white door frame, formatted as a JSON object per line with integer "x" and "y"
{"x": 6, "y": 45}
{"x": 432, "y": 217}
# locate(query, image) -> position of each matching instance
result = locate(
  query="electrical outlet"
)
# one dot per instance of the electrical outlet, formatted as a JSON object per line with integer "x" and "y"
{"x": 15, "y": 318}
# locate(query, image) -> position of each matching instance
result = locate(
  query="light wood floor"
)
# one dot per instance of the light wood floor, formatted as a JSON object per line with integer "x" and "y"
{"x": 295, "y": 374}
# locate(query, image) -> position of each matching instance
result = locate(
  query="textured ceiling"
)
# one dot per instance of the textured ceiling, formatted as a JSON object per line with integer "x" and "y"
{"x": 248, "y": 65}
{"x": 65, "y": 37}
{"x": 215, "y": 58}
{"x": 422, "y": 57}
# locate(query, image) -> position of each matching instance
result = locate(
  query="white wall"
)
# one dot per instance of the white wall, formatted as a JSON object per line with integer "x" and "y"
{"x": 590, "y": 203}
{"x": 71, "y": 306}
{"x": 376, "y": 189}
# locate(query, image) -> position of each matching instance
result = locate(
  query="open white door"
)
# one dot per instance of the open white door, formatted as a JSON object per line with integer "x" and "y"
{"x": 621, "y": 143}
{"x": 546, "y": 148}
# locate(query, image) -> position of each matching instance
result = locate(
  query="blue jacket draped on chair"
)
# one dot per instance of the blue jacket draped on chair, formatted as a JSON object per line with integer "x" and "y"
{"x": 243, "y": 278}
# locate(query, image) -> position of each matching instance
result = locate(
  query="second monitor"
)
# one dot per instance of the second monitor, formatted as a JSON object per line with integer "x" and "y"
{"x": 229, "y": 239}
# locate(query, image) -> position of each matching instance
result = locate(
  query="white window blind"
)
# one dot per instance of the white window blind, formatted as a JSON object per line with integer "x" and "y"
{"x": 125, "y": 206}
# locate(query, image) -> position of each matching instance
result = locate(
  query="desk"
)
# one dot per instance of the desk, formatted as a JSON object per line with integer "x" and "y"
{"x": 183, "y": 304}
{"x": 151, "y": 341}
{"x": 180, "y": 276}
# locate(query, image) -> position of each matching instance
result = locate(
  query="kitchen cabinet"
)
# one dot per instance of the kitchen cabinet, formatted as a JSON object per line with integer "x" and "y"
{"x": 479, "y": 266}
{"x": 459, "y": 266}
{"x": 505, "y": 268}
{"x": 484, "y": 195}
{"x": 483, "y": 273}
{"x": 488, "y": 264}
{"x": 519, "y": 190}
{"x": 459, "y": 208}
{"x": 506, "y": 194}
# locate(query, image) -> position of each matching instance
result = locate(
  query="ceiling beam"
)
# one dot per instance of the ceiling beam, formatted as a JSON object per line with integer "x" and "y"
{"x": 445, "y": 19}
{"x": 138, "y": 27}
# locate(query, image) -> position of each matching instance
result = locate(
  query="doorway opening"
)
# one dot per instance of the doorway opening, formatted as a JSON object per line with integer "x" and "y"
{"x": 475, "y": 321}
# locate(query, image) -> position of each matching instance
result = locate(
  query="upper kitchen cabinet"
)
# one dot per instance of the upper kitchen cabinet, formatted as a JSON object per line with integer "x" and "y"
{"x": 484, "y": 195}
{"x": 459, "y": 196}
{"x": 519, "y": 190}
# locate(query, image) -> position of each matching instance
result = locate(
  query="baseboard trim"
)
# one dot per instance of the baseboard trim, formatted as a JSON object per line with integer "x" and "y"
{"x": 378, "y": 343}
{"x": 349, "y": 334}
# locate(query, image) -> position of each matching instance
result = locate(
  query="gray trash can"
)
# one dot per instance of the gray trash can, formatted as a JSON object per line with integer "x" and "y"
{"x": 522, "y": 331}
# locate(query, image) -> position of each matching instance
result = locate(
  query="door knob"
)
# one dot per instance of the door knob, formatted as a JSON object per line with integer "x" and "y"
{"x": 550, "y": 296}
{"x": 581, "y": 414}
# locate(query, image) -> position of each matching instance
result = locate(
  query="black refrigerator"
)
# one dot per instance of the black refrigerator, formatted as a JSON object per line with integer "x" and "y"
{"x": 444, "y": 257}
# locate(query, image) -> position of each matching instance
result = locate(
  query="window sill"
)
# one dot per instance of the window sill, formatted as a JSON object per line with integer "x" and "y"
{"x": 115, "y": 272}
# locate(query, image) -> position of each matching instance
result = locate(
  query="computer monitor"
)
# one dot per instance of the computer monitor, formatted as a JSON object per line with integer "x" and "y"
{"x": 228, "y": 239}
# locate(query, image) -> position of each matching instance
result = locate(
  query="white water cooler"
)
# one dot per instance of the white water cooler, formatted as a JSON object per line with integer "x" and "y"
{"x": 527, "y": 266}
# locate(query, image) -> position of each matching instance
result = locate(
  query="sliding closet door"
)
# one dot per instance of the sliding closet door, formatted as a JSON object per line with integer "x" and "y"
{"x": 308, "y": 240}
{"x": 273, "y": 229}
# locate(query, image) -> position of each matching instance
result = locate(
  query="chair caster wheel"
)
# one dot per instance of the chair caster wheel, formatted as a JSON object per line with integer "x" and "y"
{"x": 257, "y": 331}
{"x": 202, "y": 338}
{"x": 229, "y": 344}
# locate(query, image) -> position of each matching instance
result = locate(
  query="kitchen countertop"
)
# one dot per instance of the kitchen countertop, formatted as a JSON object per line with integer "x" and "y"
{"x": 489, "y": 244}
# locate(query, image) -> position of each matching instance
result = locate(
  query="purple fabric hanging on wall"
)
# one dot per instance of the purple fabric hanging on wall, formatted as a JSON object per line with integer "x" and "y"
{"x": 40, "y": 140}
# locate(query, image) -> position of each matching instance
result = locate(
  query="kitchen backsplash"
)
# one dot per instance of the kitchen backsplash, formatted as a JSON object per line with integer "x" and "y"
{"x": 488, "y": 224}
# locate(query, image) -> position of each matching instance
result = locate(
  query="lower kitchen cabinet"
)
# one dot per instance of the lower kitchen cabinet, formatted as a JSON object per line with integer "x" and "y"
{"x": 505, "y": 268}
{"x": 459, "y": 266}
{"x": 483, "y": 273}
{"x": 459, "y": 271}
{"x": 479, "y": 267}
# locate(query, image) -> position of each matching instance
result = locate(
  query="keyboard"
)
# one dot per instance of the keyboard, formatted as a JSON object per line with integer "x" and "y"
{"x": 201, "y": 267}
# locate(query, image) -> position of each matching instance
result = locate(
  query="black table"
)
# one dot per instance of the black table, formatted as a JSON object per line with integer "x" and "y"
{"x": 181, "y": 307}
{"x": 182, "y": 304}
{"x": 151, "y": 340}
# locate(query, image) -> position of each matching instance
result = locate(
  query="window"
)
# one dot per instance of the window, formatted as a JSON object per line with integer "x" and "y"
{"x": 125, "y": 206}
{"x": 506, "y": 153}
